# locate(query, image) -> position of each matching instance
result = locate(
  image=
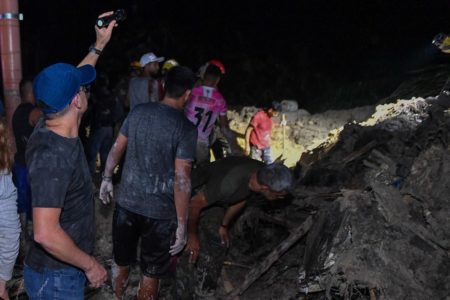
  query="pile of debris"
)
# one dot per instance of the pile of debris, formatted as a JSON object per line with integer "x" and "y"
{"x": 369, "y": 218}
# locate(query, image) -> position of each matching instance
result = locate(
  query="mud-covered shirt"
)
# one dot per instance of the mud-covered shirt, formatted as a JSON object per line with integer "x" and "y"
{"x": 225, "y": 182}
{"x": 157, "y": 135}
{"x": 59, "y": 178}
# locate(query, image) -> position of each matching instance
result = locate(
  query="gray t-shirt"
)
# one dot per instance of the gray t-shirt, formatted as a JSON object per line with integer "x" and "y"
{"x": 59, "y": 178}
{"x": 157, "y": 135}
{"x": 140, "y": 91}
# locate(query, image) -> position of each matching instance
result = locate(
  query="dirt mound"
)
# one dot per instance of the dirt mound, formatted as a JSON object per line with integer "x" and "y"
{"x": 303, "y": 132}
{"x": 377, "y": 192}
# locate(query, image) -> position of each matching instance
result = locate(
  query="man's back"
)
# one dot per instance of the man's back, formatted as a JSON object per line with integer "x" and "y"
{"x": 143, "y": 90}
{"x": 226, "y": 180}
{"x": 203, "y": 109}
{"x": 157, "y": 135}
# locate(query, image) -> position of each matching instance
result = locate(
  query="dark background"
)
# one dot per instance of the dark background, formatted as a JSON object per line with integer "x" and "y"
{"x": 322, "y": 53}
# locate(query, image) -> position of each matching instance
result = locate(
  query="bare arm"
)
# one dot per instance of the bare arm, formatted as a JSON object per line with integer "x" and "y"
{"x": 182, "y": 189}
{"x": 49, "y": 234}
{"x": 248, "y": 132}
{"x": 231, "y": 212}
{"x": 198, "y": 203}
{"x": 103, "y": 35}
{"x": 115, "y": 154}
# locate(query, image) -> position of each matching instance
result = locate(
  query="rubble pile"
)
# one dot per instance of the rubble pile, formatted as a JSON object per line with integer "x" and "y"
{"x": 368, "y": 218}
{"x": 378, "y": 195}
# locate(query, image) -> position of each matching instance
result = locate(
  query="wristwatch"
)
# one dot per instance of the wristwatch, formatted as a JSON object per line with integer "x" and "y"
{"x": 95, "y": 50}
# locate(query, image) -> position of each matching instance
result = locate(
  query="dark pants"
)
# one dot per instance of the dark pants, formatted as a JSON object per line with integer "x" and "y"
{"x": 23, "y": 190}
{"x": 155, "y": 235}
{"x": 100, "y": 141}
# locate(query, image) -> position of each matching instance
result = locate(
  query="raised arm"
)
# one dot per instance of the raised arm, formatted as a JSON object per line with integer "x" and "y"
{"x": 103, "y": 35}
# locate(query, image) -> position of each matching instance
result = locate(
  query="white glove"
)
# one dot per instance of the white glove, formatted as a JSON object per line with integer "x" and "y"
{"x": 180, "y": 241}
{"x": 106, "y": 191}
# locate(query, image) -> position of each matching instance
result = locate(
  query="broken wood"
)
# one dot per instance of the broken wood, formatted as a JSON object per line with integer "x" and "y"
{"x": 359, "y": 152}
{"x": 282, "y": 222}
{"x": 234, "y": 264}
{"x": 257, "y": 271}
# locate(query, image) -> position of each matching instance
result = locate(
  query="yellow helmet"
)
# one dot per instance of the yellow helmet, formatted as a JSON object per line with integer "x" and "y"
{"x": 442, "y": 41}
{"x": 169, "y": 64}
{"x": 135, "y": 65}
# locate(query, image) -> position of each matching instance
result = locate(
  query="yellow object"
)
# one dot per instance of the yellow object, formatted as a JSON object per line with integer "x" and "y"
{"x": 135, "y": 64}
{"x": 169, "y": 64}
{"x": 445, "y": 46}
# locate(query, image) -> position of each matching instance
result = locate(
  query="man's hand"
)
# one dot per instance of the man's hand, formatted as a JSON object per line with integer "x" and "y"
{"x": 96, "y": 274}
{"x": 247, "y": 151}
{"x": 180, "y": 241}
{"x": 106, "y": 191}
{"x": 224, "y": 238}
{"x": 193, "y": 248}
{"x": 103, "y": 35}
{"x": 3, "y": 289}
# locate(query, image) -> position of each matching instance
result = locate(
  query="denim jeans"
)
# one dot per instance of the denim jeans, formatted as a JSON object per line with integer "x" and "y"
{"x": 261, "y": 154}
{"x": 64, "y": 284}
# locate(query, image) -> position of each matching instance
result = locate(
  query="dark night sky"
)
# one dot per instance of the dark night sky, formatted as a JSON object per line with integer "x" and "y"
{"x": 303, "y": 42}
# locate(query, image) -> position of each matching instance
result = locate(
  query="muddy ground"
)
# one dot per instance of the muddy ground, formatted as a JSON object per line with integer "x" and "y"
{"x": 371, "y": 203}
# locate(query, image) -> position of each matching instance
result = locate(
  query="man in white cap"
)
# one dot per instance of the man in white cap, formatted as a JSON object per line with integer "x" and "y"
{"x": 145, "y": 88}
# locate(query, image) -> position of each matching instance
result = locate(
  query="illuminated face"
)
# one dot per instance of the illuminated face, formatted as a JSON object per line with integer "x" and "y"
{"x": 272, "y": 112}
{"x": 152, "y": 68}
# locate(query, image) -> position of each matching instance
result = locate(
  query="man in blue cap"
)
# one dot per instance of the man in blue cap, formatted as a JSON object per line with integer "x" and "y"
{"x": 60, "y": 258}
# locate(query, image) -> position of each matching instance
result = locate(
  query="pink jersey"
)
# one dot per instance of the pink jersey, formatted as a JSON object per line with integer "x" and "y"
{"x": 203, "y": 109}
{"x": 262, "y": 129}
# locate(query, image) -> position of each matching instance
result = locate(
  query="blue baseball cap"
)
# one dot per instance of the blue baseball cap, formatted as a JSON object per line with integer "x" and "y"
{"x": 56, "y": 85}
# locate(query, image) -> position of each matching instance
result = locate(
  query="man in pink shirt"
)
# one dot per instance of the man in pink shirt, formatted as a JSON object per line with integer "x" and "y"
{"x": 204, "y": 108}
{"x": 258, "y": 133}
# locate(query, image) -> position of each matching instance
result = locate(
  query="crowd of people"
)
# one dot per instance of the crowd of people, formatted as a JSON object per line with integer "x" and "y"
{"x": 159, "y": 126}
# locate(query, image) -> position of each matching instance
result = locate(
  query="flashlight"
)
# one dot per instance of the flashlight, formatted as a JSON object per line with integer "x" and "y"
{"x": 119, "y": 15}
